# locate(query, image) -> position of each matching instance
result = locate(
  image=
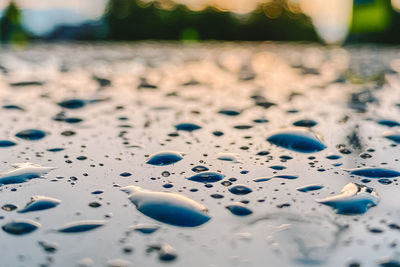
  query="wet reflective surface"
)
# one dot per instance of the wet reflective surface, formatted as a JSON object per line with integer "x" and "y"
{"x": 295, "y": 166}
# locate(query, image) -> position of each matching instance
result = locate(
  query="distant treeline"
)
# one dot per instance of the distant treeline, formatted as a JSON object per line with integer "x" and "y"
{"x": 373, "y": 21}
{"x": 130, "y": 20}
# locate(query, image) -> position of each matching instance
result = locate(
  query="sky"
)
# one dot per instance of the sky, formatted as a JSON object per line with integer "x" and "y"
{"x": 40, "y": 16}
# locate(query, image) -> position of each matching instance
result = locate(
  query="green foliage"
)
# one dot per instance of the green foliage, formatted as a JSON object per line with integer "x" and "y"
{"x": 11, "y": 29}
{"x": 133, "y": 20}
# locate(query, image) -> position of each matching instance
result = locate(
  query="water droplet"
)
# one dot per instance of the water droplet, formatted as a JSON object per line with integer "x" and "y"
{"x": 389, "y": 123}
{"x": 305, "y": 123}
{"x": 392, "y": 135}
{"x": 297, "y": 139}
{"x": 72, "y": 103}
{"x": 144, "y": 228}
{"x": 164, "y": 158}
{"x": 354, "y": 199}
{"x": 165, "y": 252}
{"x": 386, "y": 262}
{"x": 81, "y": 226}
{"x": 48, "y": 247}
{"x": 187, "y": 127}
{"x": 239, "y": 209}
{"x": 199, "y": 168}
{"x": 333, "y": 156}
{"x": 23, "y": 172}
{"x": 263, "y": 153}
{"x": 277, "y": 167}
{"x": 31, "y": 134}
{"x": 6, "y": 143}
{"x": 20, "y": 227}
{"x": 94, "y": 204}
{"x": 207, "y": 177}
{"x": 40, "y": 203}
{"x": 228, "y": 157}
{"x": 73, "y": 120}
{"x": 218, "y": 133}
{"x": 375, "y": 172}
{"x": 240, "y": 190}
{"x": 57, "y": 149}
{"x": 9, "y": 207}
{"x": 243, "y": 127}
{"x": 167, "y": 207}
{"x": 308, "y": 188}
{"x": 229, "y": 112}
{"x": 13, "y": 107}
{"x": 285, "y": 176}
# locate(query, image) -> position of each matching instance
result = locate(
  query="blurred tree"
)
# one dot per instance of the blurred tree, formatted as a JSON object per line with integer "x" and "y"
{"x": 11, "y": 29}
{"x": 166, "y": 20}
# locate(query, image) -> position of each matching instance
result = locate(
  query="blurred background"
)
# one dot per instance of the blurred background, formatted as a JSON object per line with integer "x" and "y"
{"x": 325, "y": 21}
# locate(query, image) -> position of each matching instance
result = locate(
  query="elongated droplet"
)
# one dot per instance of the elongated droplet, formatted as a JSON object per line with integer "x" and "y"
{"x": 81, "y": 226}
{"x": 207, "y": 177}
{"x": 168, "y": 208}
{"x": 20, "y": 227}
{"x": 311, "y": 187}
{"x": 187, "y": 127}
{"x": 354, "y": 199}
{"x": 40, "y": 203}
{"x": 31, "y": 134}
{"x": 375, "y": 172}
{"x": 23, "y": 172}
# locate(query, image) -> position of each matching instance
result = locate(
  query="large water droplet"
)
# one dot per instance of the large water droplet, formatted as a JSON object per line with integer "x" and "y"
{"x": 239, "y": 209}
{"x": 297, "y": 139}
{"x": 31, "y": 134}
{"x": 40, "y": 203}
{"x": 375, "y": 172}
{"x": 354, "y": 199}
{"x": 305, "y": 123}
{"x": 187, "y": 127}
{"x": 6, "y": 143}
{"x": 240, "y": 190}
{"x": 72, "y": 103}
{"x": 167, "y": 207}
{"x": 20, "y": 227}
{"x": 389, "y": 123}
{"x": 207, "y": 177}
{"x": 228, "y": 157}
{"x": 23, "y": 172}
{"x": 164, "y": 158}
{"x": 392, "y": 135}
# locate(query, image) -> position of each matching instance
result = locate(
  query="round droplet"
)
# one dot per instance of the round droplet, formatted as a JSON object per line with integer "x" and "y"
{"x": 207, "y": 177}
{"x": 240, "y": 190}
{"x": 164, "y": 158}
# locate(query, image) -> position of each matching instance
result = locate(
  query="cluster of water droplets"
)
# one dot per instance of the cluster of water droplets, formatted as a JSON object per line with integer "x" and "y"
{"x": 221, "y": 150}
